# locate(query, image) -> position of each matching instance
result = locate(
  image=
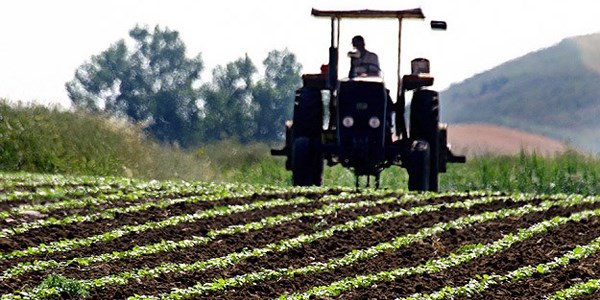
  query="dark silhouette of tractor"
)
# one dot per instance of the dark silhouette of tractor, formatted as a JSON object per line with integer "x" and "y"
{"x": 366, "y": 131}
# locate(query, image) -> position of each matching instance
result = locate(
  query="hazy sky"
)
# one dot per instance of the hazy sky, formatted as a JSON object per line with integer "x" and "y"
{"x": 43, "y": 42}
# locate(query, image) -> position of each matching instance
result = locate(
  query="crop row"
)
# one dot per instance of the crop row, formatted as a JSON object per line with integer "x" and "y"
{"x": 486, "y": 281}
{"x": 359, "y": 255}
{"x": 455, "y": 259}
{"x": 136, "y": 194}
{"x": 11, "y": 181}
{"x": 71, "y": 244}
{"x": 135, "y": 188}
{"x": 259, "y": 198}
{"x": 352, "y": 257}
{"x": 52, "y": 187}
{"x": 68, "y": 245}
{"x": 195, "y": 241}
{"x": 164, "y": 246}
{"x": 151, "y": 190}
{"x": 585, "y": 288}
{"x": 209, "y": 194}
{"x": 56, "y": 193}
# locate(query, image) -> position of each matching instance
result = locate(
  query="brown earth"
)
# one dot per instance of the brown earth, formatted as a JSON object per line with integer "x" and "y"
{"x": 478, "y": 139}
{"x": 538, "y": 249}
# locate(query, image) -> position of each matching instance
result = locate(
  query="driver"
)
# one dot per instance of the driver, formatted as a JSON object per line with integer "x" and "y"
{"x": 362, "y": 61}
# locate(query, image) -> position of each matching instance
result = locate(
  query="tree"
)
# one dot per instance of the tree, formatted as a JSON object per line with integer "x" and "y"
{"x": 237, "y": 106}
{"x": 227, "y": 102}
{"x": 152, "y": 84}
{"x": 273, "y": 95}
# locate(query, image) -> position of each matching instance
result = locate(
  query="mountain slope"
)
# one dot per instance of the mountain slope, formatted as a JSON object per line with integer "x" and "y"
{"x": 554, "y": 92}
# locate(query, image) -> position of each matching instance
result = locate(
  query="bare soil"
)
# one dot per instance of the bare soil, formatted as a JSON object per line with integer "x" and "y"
{"x": 533, "y": 251}
{"x": 478, "y": 139}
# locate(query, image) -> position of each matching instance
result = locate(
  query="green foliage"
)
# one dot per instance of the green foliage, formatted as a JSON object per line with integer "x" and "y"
{"x": 236, "y": 106}
{"x": 585, "y": 288}
{"x": 39, "y": 139}
{"x": 273, "y": 95}
{"x": 44, "y": 140}
{"x": 569, "y": 172}
{"x": 152, "y": 84}
{"x": 66, "y": 288}
{"x": 156, "y": 85}
{"x": 227, "y": 102}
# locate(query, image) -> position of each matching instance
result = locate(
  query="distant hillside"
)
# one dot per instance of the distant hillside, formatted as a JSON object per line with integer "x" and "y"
{"x": 554, "y": 92}
{"x": 480, "y": 139}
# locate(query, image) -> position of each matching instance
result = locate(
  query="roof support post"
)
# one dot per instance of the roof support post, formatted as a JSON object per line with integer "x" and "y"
{"x": 399, "y": 84}
{"x": 332, "y": 32}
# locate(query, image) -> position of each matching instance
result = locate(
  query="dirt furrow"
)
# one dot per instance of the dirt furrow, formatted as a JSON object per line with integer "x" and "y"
{"x": 220, "y": 247}
{"x": 48, "y": 234}
{"x": 530, "y": 252}
{"x": 335, "y": 246}
{"x": 177, "y": 232}
{"x": 531, "y": 288}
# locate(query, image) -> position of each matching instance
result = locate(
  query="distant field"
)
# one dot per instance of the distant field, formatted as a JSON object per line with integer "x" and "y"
{"x": 67, "y": 237}
{"x": 490, "y": 139}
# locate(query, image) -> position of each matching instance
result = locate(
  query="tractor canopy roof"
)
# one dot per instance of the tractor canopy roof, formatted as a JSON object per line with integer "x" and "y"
{"x": 415, "y": 13}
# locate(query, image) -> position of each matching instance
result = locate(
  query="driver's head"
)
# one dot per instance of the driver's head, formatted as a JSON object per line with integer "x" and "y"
{"x": 358, "y": 42}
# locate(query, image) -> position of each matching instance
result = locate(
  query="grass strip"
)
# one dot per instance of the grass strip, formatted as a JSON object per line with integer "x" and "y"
{"x": 45, "y": 194}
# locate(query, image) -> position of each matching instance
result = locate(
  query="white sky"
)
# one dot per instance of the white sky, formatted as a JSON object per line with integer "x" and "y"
{"x": 43, "y": 42}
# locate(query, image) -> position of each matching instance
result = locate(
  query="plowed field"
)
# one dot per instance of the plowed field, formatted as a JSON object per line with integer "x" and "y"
{"x": 110, "y": 238}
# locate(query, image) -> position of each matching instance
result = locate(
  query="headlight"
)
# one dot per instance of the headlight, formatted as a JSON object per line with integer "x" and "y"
{"x": 374, "y": 122}
{"x": 348, "y": 122}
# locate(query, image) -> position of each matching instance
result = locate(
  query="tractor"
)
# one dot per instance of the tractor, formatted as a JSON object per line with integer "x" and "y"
{"x": 366, "y": 131}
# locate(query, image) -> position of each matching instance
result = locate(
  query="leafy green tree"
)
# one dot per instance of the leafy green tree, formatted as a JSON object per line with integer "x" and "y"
{"x": 273, "y": 95}
{"x": 153, "y": 83}
{"x": 237, "y": 106}
{"x": 227, "y": 102}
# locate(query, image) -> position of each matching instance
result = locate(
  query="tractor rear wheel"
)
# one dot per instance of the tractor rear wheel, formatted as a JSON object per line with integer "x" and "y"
{"x": 418, "y": 167}
{"x": 424, "y": 125}
{"x": 307, "y": 155}
{"x": 308, "y": 113}
{"x": 307, "y": 162}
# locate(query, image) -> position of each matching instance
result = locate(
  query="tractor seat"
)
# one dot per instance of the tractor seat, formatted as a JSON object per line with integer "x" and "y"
{"x": 364, "y": 79}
